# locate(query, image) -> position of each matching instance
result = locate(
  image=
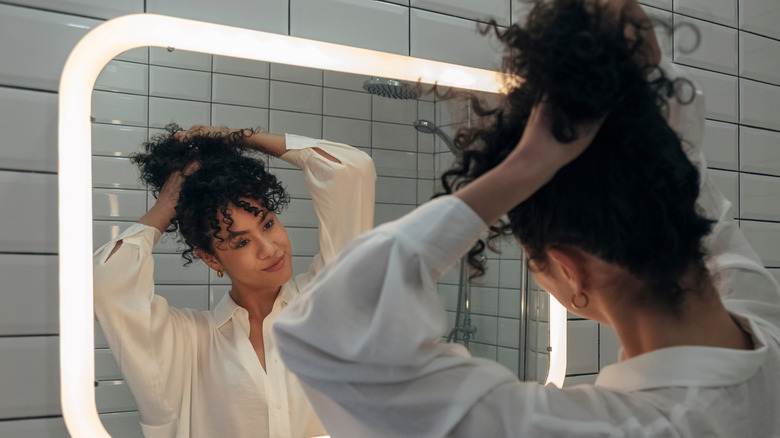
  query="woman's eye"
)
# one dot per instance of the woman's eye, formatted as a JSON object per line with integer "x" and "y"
{"x": 242, "y": 243}
{"x": 268, "y": 225}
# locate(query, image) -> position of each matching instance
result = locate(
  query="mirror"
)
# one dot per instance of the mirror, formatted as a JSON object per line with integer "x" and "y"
{"x": 143, "y": 89}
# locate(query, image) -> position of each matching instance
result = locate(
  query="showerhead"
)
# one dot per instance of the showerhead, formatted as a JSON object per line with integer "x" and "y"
{"x": 428, "y": 127}
{"x": 391, "y": 88}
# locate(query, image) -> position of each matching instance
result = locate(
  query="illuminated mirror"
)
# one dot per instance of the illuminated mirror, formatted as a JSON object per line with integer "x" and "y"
{"x": 193, "y": 74}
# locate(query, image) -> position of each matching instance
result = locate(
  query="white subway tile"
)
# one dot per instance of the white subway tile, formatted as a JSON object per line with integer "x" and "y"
{"x": 294, "y": 73}
{"x": 478, "y": 349}
{"x": 185, "y": 113}
{"x": 113, "y": 396}
{"x": 139, "y": 54}
{"x": 509, "y": 303}
{"x": 118, "y": 204}
{"x": 309, "y": 125}
{"x": 301, "y": 264}
{"x": 759, "y": 58}
{"x": 122, "y": 424}
{"x": 396, "y": 190}
{"x": 241, "y": 67}
{"x": 582, "y": 347}
{"x": 29, "y": 130}
{"x": 663, "y": 25}
{"x": 728, "y": 183}
{"x": 30, "y": 295}
{"x": 42, "y": 43}
{"x": 759, "y": 197}
{"x": 455, "y": 40}
{"x": 720, "y": 145}
{"x": 29, "y": 216}
{"x": 510, "y": 358}
{"x": 393, "y": 136}
{"x": 117, "y": 140}
{"x": 482, "y": 300}
{"x": 764, "y": 237}
{"x": 510, "y": 249}
{"x": 124, "y": 77}
{"x": 350, "y": 131}
{"x": 509, "y": 332}
{"x": 179, "y": 84}
{"x": 305, "y": 241}
{"x": 170, "y": 269}
{"x": 345, "y": 103}
{"x": 88, "y": 8}
{"x": 425, "y": 166}
{"x": 491, "y": 277}
{"x": 30, "y": 367}
{"x": 240, "y": 90}
{"x": 115, "y": 172}
{"x": 389, "y": 212}
{"x": 293, "y": 182}
{"x": 395, "y": 163}
{"x": 104, "y": 231}
{"x": 449, "y": 293}
{"x": 497, "y": 10}
{"x": 53, "y": 427}
{"x": 100, "y": 337}
{"x": 609, "y": 345}
{"x": 345, "y": 81}
{"x": 426, "y": 110}
{"x": 393, "y": 110}
{"x": 106, "y": 367}
{"x": 717, "y": 49}
{"x": 760, "y": 16}
{"x": 300, "y": 213}
{"x": 369, "y": 25}
{"x": 296, "y": 97}
{"x": 268, "y": 15}
{"x": 426, "y": 143}
{"x": 239, "y": 116}
{"x": 720, "y": 93}
{"x": 185, "y": 297}
{"x": 757, "y": 104}
{"x": 119, "y": 109}
{"x": 170, "y": 243}
{"x": 424, "y": 191}
{"x": 759, "y": 151}
{"x": 719, "y": 11}
{"x": 487, "y": 328}
{"x": 511, "y": 273}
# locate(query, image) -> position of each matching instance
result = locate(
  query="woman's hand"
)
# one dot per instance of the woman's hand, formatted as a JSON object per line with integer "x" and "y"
{"x": 267, "y": 143}
{"x": 649, "y": 54}
{"x": 163, "y": 210}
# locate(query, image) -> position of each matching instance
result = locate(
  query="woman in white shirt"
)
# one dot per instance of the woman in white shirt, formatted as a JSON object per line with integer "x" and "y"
{"x": 218, "y": 373}
{"x": 588, "y": 157}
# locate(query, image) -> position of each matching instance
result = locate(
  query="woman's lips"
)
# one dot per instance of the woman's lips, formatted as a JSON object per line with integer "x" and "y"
{"x": 279, "y": 264}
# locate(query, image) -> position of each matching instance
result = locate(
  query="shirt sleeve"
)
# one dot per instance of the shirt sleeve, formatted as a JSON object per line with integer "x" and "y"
{"x": 741, "y": 278}
{"x": 342, "y": 193}
{"x": 373, "y": 343}
{"x": 150, "y": 341}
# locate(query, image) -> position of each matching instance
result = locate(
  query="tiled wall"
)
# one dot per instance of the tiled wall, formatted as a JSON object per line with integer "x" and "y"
{"x": 737, "y": 64}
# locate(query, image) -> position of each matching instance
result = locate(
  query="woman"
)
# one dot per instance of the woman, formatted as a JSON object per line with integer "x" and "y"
{"x": 618, "y": 226}
{"x": 218, "y": 373}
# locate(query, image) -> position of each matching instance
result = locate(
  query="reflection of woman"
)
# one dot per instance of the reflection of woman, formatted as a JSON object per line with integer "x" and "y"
{"x": 218, "y": 373}
{"x": 614, "y": 222}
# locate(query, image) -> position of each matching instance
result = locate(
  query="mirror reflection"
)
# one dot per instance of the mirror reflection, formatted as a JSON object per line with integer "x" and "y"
{"x": 407, "y": 134}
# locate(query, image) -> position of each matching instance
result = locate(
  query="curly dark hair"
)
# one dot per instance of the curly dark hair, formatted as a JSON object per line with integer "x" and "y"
{"x": 630, "y": 197}
{"x": 227, "y": 175}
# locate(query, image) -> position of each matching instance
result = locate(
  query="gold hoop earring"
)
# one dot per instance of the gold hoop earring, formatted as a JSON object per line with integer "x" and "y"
{"x": 220, "y": 273}
{"x": 574, "y": 302}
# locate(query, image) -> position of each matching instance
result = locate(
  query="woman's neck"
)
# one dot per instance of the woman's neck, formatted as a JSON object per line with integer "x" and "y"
{"x": 702, "y": 320}
{"x": 258, "y": 302}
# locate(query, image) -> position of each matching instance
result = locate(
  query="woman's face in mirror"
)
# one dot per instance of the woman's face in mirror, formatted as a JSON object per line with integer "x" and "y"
{"x": 254, "y": 251}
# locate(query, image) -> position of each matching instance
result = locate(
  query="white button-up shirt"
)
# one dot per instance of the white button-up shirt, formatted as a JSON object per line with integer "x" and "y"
{"x": 195, "y": 374}
{"x": 364, "y": 338}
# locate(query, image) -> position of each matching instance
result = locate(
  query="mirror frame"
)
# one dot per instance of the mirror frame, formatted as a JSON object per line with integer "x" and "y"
{"x": 86, "y": 61}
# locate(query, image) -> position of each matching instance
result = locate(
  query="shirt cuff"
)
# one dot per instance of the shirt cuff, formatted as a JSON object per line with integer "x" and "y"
{"x": 441, "y": 231}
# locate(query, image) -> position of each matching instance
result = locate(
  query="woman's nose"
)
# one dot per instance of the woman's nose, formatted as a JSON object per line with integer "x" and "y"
{"x": 266, "y": 248}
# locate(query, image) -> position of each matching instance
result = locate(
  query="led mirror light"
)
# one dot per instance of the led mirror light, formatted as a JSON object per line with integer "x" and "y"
{"x": 91, "y": 54}
{"x": 557, "y": 318}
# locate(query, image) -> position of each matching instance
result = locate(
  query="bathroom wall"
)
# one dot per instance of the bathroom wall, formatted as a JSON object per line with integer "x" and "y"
{"x": 737, "y": 65}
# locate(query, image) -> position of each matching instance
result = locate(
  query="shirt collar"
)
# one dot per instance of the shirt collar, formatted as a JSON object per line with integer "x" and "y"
{"x": 226, "y": 307}
{"x": 688, "y": 365}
